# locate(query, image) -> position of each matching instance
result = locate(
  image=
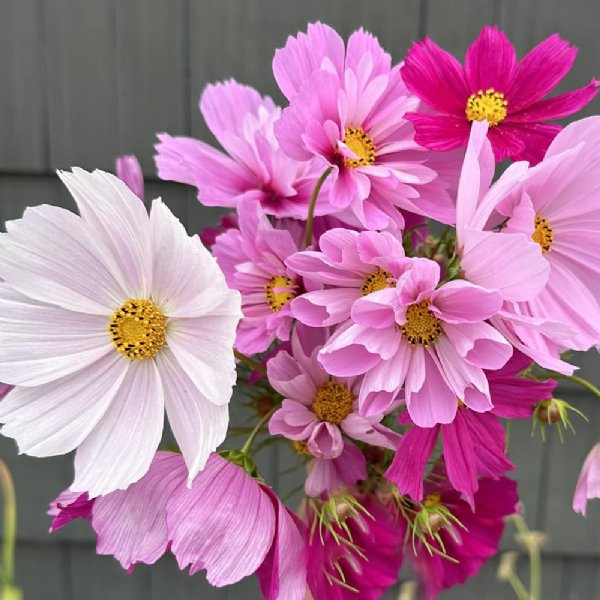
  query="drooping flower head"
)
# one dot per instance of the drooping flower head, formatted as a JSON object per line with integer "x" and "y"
{"x": 492, "y": 85}
{"x": 253, "y": 259}
{"x": 254, "y": 167}
{"x": 100, "y": 320}
{"x": 432, "y": 340}
{"x": 347, "y": 107}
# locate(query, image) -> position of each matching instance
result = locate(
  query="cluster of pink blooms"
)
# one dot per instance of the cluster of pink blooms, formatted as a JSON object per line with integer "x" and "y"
{"x": 388, "y": 296}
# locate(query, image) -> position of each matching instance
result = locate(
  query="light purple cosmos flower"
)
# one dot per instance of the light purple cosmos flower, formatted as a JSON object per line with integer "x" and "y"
{"x": 351, "y": 264}
{"x": 128, "y": 169}
{"x": 347, "y": 108}
{"x": 253, "y": 260}
{"x": 254, "y": 167}
{"x": 433, "y": 340}
{"x": 588, "y": 484}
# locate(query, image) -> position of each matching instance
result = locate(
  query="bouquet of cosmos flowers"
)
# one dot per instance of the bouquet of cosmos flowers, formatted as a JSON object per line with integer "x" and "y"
{"x": 383, "y": 295}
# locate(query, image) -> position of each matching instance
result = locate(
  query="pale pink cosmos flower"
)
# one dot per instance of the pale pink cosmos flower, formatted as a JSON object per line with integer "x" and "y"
{"x": 227, "y": 524}
{"x": 253, "y": 260}
{"x": 129, "y": 170}
{"x": 100, "y": 320}
{"x": 254, "y": 167}
{"x": 588, "y": 484}
{"x": 351, "y": 265}
{"x": 432, "y": 340}
{"x": 347, "y": 108}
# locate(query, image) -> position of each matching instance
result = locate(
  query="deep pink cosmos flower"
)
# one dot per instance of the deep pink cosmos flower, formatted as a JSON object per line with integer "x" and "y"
{"x": 256, "y": 168}
{"x": 433, "y": 340}
{"x": 351, "y": 264}
{"x": 471, "y": 546}
{"x": 319, "y": 413}
{"x": 588, "y": 484}
{"x": 492, "y": 85}
{"x": 364, "y": 569}
{"x": 474, "y": 443}
{"x": 347, "y": 108}
{"x": 253, "y": 261}
{"x": 226, "y": 523}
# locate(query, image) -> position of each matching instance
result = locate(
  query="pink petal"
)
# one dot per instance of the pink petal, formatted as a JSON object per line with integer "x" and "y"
{"x": 373, "y": 433}
{"x": 463, "y": 302}
{"x": 325, "y": 441}
{"x": 128, "y": 169}
{"x": 440, "y": 132}
{"x": 588, "y": 484}
{"x": 324, "y": 308}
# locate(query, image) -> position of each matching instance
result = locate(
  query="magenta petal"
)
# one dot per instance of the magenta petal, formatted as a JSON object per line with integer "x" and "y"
{"x": 506, "y": 141}
{"x": 282, "y": 576}
{"x": 440, "y": 132}
{"x": 129, "y": 170}
{"x": 132, "y": 524}
{"x": 68, "y": 507}
{"x": 538, "y": 137}
{"x": 224, "y": 524}
{"x": 408, "y": 466}
{"x": 436, "y": 77}
{"x": 540, "y": 72}
{"x": 490, "y": 61}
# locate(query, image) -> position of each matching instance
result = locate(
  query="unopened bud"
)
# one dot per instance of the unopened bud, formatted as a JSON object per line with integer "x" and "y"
{"x": 548, "y": 412}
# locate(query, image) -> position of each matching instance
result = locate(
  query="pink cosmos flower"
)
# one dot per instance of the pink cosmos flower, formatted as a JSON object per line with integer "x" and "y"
{"x": 556, "y": 205}
{"x": 347, "y": 108}
{"x": 433, "y": 340}
{"x": 588, "y": 484}
{"x": 99, "y": 321}
{"x": 492, "y": 85}
{"x": 365, "y": 569}
{"x": 318, "y": 410}
{"x": 253, "y": 260}
{"x": 128, "y": 169}
{"x": 471, "y": 546}
{"x": 227, "y": 524}
{"x": 256, "y": 168}
{"x": 352, "y": 265}
{"x": 474, "y": 443}
{"x": 504, "y": 259}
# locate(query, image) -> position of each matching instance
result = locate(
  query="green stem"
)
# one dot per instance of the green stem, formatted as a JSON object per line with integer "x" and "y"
{"x": 253, "y": 364}
{"x": 256, "y": 430}
{"x": 518, "y": 587}
{"x": 10, "y": 525}
{"x": 311, "y": 206}
{"x": 578, "y": 380}
{"x": 439, "y": 242}
{"x": 535, "y": 558}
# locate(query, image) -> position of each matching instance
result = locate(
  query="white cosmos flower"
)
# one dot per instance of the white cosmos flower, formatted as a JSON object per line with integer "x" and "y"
{"x": 106, "y": 320}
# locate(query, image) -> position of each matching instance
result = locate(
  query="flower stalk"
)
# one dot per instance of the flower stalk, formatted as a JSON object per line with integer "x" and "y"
{"x": 311, "y": 206}
{"x": 9, "y": 591}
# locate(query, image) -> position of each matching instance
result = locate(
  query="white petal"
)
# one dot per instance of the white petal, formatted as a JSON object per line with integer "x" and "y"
{"x": 54, "y": 256}
{"x": 119, "y": 450}
{"x": 204, "y": 348}
{"x": 199, "y": 425}
{"x": 55, "y": 418}
{"x": 41, "y": 343}
{"x": 120, "y": 221}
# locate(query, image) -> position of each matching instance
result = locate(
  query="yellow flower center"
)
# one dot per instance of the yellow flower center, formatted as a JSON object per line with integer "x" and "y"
{"x": 543, "y": 234}
{"x": 432, "y": 500}
{"x": 332, "y": 402}
{"x": 422, "y": 326}
{"x": 377, "y": 280}
{"x": 489, "y": 105}
{"x": 137, "y": 329}
{"x": 301, "y": 447}
{"x": 362, "y": 145}
{"x": 279, "y": 291}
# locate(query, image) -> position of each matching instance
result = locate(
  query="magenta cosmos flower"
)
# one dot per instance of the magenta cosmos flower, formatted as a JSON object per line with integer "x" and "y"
{"x": 256, "y": 168}
{"x": 588, "y": 484}
{"x": 227, "y": 524}
{"x": 432, "y": 340}
{"x": 472, "y": 546}
{"x": 319, "y": 412}
{"x": 347, "y": 108}
{"x": 474, "y": 443}
{"x": 99, "y": 323}
{"x": 365, "y": 568}
{"x": 492, "y": 85}
{"x": 253, "y": 260}
{"x": 352, "y": 265}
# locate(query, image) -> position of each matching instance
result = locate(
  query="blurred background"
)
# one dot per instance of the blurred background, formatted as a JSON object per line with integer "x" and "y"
{"x": 85, "y": 80}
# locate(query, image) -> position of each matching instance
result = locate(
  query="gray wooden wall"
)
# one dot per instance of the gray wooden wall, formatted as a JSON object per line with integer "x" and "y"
{"x": 85, "y": 80}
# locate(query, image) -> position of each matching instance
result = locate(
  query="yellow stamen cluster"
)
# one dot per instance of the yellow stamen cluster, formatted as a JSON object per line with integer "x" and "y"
{"x": 488, "y": 104}
{"x": 432, "y": 500}
{"x": 543, "y": 234}
{"x": 279, "y": 291}
{"x": 422, "y": 326}
{"x": 137, "y": 329}
{"x": 301, "y": 447}
{"x": 377, "y": 280}
{"x": 332, "y": 402}
{"x": 362, "y": 145}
